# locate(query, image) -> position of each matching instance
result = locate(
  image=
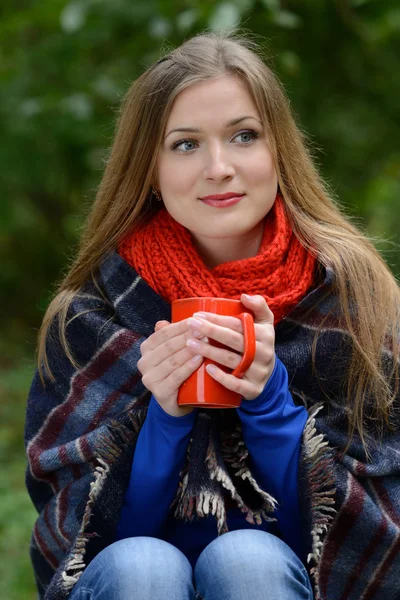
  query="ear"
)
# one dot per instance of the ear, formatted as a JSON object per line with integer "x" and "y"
{"x": 154, "y": 178}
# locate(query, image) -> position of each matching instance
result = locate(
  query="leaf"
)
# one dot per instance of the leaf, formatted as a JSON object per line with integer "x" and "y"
{"x": 272, "y": 4}
{"x": 79, "y": 105}
{"x": 359, "y": 2}
{"x": 73, "y": 17}
{"x": 286, "y": 19}
{"x": 244, "y": 5}
{"x": 186, "y": 19}
{"x": 160, "y": 27}
{"x": 290, "y": 62}
{"x": 226, "y": 16}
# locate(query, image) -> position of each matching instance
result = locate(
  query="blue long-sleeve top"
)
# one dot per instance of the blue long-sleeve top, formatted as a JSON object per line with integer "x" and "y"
{"x": 272, "y": 427}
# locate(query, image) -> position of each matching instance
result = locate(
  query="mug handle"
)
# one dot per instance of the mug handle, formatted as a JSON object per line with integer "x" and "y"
{"x": 249, "y": 344}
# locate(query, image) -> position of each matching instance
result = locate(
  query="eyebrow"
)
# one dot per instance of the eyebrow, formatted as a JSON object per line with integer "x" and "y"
{"x": 230, "y": 123}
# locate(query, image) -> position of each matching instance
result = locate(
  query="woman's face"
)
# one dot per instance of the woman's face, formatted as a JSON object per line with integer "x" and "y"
{"x": 216, "y": 156}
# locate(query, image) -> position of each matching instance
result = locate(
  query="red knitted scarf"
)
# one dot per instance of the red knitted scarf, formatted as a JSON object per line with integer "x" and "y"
{"x": 163, "y": 254}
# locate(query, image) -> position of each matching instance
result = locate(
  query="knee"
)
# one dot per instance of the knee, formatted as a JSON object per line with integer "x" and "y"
{"x": 137, "y": 559}
{"x": 251, "y": 564}
{"x": 248, "y": 551}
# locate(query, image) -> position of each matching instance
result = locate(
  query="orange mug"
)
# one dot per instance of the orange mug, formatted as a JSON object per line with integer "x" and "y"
{"x": 200, "y": 389}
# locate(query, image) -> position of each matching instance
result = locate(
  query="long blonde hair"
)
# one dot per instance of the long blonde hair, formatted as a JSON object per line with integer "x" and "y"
{"x": 124, "y": 200}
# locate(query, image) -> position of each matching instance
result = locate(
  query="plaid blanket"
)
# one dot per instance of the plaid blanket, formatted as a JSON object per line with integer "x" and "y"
{"x": 81, "y": 431}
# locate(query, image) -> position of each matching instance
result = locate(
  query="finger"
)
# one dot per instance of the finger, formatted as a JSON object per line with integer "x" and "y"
{"x": 262, "y": 332}
{"x": 225, "y": 336}
{"x": 165, "y": 351}
{"x": 233, "y": 323}
{"x": 159, "y": 372}
{"x": 222, "y": 320}
{"x": 243, "y": 387}
{"x": 259, "y": 307}
{"x": 263, "y": 356}
{"x": 172, "y": 378}
{"x": 164, "y": 334}
{"x": 180, "y": 375}
{"x": 265, "y": 336}
{"x": 160, "y": 324}
{"x": 259, "y": 373}
{"x": 219, "y": 355}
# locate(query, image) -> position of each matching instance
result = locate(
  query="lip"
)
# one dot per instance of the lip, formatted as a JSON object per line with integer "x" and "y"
{"x": 225, "y": 196}
{"x": 223, "y": 203}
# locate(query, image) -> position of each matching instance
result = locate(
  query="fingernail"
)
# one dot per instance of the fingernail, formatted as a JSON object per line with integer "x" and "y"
{"x": 211, "y": 369}
{"x": 197, "y": 334}
{"x": 200, "y": 314}
{"x": 196, "y": 359}
{"x": 193, "y": 344}
{"x": 194, "y": 322}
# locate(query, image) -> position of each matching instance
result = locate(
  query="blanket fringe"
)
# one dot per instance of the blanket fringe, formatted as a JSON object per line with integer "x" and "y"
{"x": 236, "y": 454}
{"x": 211, "y": 501}
{"x": 76, "y": 565}
{"x": 110, "y": 451}
{"x": 204, "y": 504}
{"x": 320, "y": 467}
{"x": 222, "y": 476}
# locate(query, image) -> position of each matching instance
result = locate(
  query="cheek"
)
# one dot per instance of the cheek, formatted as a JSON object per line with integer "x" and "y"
{"x": 168, "y": 182}
{"x": 177, "y": 177}
{"x": 166, "y": 174}
{"x": 262, "y": 169}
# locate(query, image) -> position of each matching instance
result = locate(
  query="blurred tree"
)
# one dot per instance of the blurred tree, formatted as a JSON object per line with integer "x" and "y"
{"x": 66, "y": 65}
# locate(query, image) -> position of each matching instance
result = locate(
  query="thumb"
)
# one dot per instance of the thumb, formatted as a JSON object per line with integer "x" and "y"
{"x": 258, "y": 305}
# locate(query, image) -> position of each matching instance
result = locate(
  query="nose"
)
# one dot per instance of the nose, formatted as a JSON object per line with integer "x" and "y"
{"x": 219, "y": 165}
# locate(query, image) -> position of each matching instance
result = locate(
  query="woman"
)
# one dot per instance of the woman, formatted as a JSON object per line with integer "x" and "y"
{"x": 292, "y": 495}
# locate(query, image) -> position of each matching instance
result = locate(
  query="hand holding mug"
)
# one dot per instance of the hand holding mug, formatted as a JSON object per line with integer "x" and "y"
{"x": 167, "y": 362}
{"x": 229, "y": 331}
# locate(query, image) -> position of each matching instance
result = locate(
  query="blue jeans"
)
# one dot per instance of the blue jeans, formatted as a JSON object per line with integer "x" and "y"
{"x": 239, "y": 565}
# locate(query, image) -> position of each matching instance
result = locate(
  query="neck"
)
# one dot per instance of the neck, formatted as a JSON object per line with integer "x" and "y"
{"x": 215, "y": 252}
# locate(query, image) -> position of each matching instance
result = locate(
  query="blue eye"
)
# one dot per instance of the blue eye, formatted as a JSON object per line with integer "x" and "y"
{"x": 253, "y": 135}
{"x": 181, "y": 142}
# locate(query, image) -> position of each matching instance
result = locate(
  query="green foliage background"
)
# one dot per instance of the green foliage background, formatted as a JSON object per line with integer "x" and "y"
{"x": 64, "y": 67}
